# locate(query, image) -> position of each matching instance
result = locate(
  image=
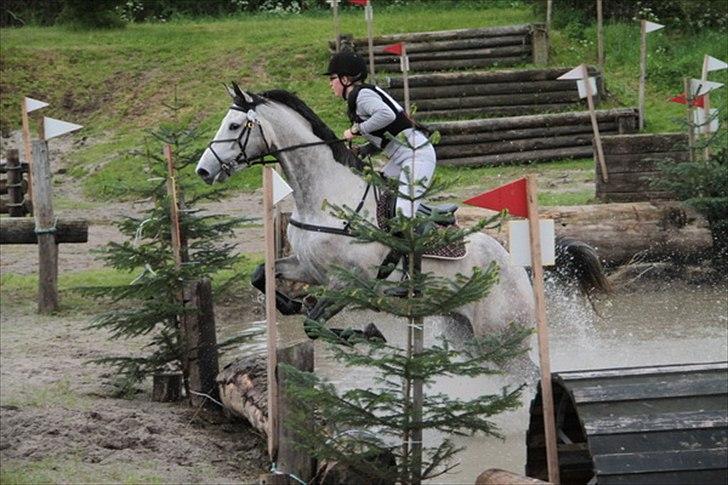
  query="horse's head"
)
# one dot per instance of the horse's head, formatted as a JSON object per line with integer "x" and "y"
{"x": 238, "y": 141}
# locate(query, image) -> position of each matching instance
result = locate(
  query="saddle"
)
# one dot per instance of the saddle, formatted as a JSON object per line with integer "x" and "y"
{"x": 386, "y": 210}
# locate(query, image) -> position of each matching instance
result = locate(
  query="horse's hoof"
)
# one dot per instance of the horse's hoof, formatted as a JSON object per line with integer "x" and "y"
{"x": 371, "y": 332}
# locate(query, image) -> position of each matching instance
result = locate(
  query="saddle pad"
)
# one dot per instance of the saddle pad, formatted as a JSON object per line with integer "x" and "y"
{"x": 385, "y": 210}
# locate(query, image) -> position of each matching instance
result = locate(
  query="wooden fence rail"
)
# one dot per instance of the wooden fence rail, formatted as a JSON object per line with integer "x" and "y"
{"x": 14, "y": 186}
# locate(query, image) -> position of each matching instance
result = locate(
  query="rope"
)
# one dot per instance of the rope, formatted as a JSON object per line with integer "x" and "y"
{"x": 275, "y": 471}
{"x": 208, "y": 397}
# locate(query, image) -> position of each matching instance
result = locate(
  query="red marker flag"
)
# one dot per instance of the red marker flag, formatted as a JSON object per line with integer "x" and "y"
{"x": 511, "y": 196}
{"x": 395, "y": 49}
{"x": 698, "y": 101}
{"x": 361, "y": 3}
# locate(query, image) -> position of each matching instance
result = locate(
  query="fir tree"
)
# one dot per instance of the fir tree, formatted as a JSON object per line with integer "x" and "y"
{"x": 151, "y": 304}
{"x": 377, "y": 431}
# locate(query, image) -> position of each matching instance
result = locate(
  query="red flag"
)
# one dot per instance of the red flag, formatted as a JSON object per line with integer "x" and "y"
{"x": 361, "y": 3}
{"x": 511, "y": 196}
{"x": 698, "y": 101}
{"x": 395, "y": 49}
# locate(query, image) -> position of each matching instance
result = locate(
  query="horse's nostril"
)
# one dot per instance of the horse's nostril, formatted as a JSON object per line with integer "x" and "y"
{"x": 203, "y": 173}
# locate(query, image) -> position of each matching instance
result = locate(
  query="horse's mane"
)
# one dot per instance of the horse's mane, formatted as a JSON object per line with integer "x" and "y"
{"x": 341, "y": 153}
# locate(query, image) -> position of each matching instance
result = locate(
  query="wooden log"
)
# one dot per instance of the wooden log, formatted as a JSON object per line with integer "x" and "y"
{"x": 519, "y": 88}
{"x": 449, "y": 45}
{"x": 473, "y": 138}
{"x": 657, "y": 231}
{"x": 487, "y": 77}
{"x": 518, "y": 110}
{"x": 453, "y": 64}
{"x": 566, "y": 97}
{"x": 201, "y": 343}
{"x": 439, "y": 35}
{"x": 502, "y": 51}
{"x": 629, "y": 182}
{"x": 496, "y": 476}
{"x": 4, "y": 206}
{"x": 540, "y": 45}
{"x": 509, "y": 146}
{"x": 23, "y": 186}
{"x": 519, "y": 157}
{"x": 16, "y": 191}
{"x": 167, "y": 387}
{"x": 21, "y": 230}
{"x": 4, "y": 166}
{"x": 645, "y": 143}
{"x": 641, "y": 162}
{"x": 533, "y": 121}
{"x": 45, "y": 229}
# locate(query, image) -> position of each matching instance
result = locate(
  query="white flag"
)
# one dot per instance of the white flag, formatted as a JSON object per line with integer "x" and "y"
{"x": 581, "y": 86}
{"x": 699, "y": 120}
{"x": 576, "y": 73}
{"x": 520, "y": 244}
{"x": 33, "y": 104}
{"x": 280, "y": 188}
{"x": 715, "y": 64}
{"x": 651, "y": 26}
{"x": 699, "y": 87}
{"x": 53, "y": 128}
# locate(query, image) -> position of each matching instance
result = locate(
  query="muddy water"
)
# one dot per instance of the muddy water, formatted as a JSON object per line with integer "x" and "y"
{"x": 648, "y": 324}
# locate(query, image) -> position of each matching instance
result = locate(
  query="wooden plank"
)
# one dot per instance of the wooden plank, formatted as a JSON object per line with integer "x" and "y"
{"x": 627, "y": 182}
{"x": 684, "y": 439}
{"x": 641, "y": 196}
{"x": 414, "y": 37}
{"x": 453, "y": 64}
{"x": 644, "y": 143}
{"x": 527, "y": 109}
{"x": 640, "y": 371}
{"x": 527, "y": 133}
{"x": 479, "y": 53}
{"x": 486, "y": 77}
{"x": 498, "y": 100}
{"x": 639, "y": 423}
{"x": 693, "y": 477}
{"x": 449, "y": 45}
{"x": 650, "y": 388}
{"x": 508, "y": 146}
{"x": 496, "y": 476}
{"x": 473, "y": 89}
{"x": 661, "y": 461}
{"x": 640, "y": 162}
{"x": 517, "y": 157}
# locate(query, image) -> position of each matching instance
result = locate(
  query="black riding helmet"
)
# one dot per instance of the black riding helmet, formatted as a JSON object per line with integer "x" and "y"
{"x": 347, "y": 63}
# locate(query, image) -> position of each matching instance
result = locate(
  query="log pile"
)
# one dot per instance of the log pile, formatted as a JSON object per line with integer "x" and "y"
{"x": 488, "y": 94}
{"x": 448, "y": 50}
{"x": 14, "y": 186}
{"x": 530, "y": 138}
{"x": 632, "y": 164}
{"x": 652, "y": 232}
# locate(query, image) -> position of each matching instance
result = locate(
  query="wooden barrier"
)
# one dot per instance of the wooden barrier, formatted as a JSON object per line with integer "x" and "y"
{"x": 496, "y": 93}
{"x": 531, "y": 138}
{"x": 632, "y": 164}
{"x": 459, "y": 49}
{"x": 495, "y": 476}
{"x": 14, "y": 186}
{"x": 22, "y": 231}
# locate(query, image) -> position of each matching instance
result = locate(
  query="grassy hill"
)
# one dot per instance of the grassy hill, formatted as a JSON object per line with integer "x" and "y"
{"x": 116, "y": 83}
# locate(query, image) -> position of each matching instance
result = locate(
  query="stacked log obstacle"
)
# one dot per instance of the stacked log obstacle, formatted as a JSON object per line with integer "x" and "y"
{"x": 488, "y": 94}
{"x": 448, "y": 50}
{"x": 532, "y": 138}
{"x": 632, "y": 164}
{"x": 652, "y": 231}
{"x": 14, "y": 186}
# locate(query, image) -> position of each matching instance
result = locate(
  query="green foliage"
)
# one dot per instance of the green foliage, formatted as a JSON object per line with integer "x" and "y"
{"x": 152, "y": 303}
{"x": 90, "y": 14}
{"x": 362, "y": 427}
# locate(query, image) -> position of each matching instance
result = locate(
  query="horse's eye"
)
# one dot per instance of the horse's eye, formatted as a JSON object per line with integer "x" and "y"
{"x": 234, "y": 126}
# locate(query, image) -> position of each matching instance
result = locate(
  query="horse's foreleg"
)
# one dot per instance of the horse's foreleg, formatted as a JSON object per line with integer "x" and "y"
{"x": 288, "y": 269}
{"x": 325, "y": 309}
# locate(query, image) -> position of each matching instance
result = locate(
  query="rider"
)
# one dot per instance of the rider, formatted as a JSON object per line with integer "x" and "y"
{"x": 375, "y": 115}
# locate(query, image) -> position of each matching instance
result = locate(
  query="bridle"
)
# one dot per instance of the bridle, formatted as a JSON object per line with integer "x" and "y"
{"x": 243, "y": 138}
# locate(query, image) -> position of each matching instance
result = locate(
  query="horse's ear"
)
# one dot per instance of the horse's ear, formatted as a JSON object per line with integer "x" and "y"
{"x": 239, "y": 93}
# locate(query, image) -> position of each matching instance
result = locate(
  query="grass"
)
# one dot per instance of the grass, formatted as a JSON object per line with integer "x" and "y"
{"x": 72, "y": 469}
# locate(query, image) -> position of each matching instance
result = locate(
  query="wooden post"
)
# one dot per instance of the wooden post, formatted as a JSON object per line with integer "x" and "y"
{"x": 405, "y": 79}
{"x": 689, "y": 109}
{"x": 418, "y": 398}
{"x": 16, "y": 206}
{"x": 643, "y": 73}
{"x": 337, "y": 24}
{"x": 369, "y": 18}
{"x": 594, "y": 122}
{"x": 706, "y": 108}
{"x": 26, "y": 143}
{"x": 290, "y": 458}
{"x": 600, "y": 37}
{"x": 540, "y": 45}
{"x": 552, "y": 457}
{"x": 270, "y": 312}
{"x": 173, "y": 206}
{"x": 44, "y": 228}
{"x": 201, "y": 343}
{"x": 548, "y": 15}
{"x": 496, "y": 476}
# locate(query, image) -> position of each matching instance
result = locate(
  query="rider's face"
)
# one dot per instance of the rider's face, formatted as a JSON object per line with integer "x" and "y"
{"x": 336, "y": 85}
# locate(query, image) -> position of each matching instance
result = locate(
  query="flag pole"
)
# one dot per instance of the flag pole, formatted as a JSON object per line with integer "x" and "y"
{"x": 552, "y": 458}
{"x": 594, "y": 122}
{"x": 689, "y": 108}
{"x": 706, "y": 108}
{"x": 270, "y": 312}
{"x": 405, "y": 80}
{"x": 369, "y": 18}
{"x": 26, "y": 143}
{"x": 337, "y": 24}
{"x": 600, "y": 37}
{"x": 643, "y": 73}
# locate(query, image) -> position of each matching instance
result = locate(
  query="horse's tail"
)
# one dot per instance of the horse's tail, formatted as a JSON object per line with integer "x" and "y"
{"x": 576, "y": 259}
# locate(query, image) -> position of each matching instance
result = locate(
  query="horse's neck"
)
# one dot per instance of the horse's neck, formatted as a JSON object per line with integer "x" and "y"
{"x": 312, "y": 172}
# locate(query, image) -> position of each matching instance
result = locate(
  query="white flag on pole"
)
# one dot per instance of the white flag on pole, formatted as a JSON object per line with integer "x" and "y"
{"x": 576, "y": 73}
{"x": 53, "y": 127}
{"x": 520, "y": 245}
{"x": 715, "y": 64}
{"x": 699, "y": 120}
{"x": 280, "y": 188}
{"x": 652, "y": 26}
{"x": 33, "y": 104}
{"x": 699, "y": 87}
{"x": 581, "y": 86}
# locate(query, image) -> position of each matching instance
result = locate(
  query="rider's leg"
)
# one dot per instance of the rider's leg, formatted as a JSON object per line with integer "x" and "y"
{"x": 417, "y": 171}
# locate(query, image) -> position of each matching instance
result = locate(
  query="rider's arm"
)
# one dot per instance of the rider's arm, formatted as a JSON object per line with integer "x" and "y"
{"x": 373, "y": 110}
